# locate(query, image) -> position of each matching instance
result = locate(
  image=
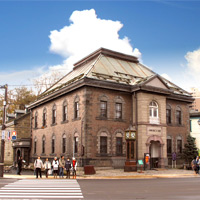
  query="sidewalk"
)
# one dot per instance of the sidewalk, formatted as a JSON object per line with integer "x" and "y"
{"x": 119, "y": 174}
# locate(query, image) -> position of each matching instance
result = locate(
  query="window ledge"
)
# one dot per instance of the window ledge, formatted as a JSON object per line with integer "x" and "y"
{"x": 76, "y": 119}
{"x": 54, "y": 124}
{"x": 65, "y": 122}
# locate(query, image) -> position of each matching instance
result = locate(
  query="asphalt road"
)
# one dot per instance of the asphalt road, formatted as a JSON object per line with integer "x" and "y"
{"x": 151, "y": 189}
{"x": 145, "y": 189}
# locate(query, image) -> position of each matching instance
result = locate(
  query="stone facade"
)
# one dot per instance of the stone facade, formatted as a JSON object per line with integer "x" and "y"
{"x": 87, "y": 113}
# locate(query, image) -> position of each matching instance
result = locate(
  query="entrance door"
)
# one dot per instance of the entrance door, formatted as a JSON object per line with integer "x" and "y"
{"x": 155, "y": 153}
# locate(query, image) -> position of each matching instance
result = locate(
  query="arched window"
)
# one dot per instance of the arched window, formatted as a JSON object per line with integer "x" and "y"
{"x": 65, "y": 111}
{"x": 119, "y": 107}
{"x": 119, "y": 144}
{"x": 169, "y": 144}
{"x": 76, "y": 143}
{"x": 168, "y": 114}
{"x": 43, "y": 144}
{"x": 178, "y": 116}
{"x": 53, "y": 144}
{"x": 76, "y": 108}
{"x": 179, "y": 144}
{"x": 35, "y": 146}
{"x": 36, "y": 120}
{"x": 153, "y": 109}
{"x": 54, "y": 114}
{"x": 103, "y": 143}
{"x": 44, "y": 119}
{"x": 64, "y": 143}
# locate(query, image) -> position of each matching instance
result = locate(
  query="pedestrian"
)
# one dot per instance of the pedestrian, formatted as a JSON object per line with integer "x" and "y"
{"x": 197, "y": 165}
{"x": 55, "y": 165}
{"x": 19, "y": 165}
{"x": 61, "y": 166}
{"x": 74, "y": 165}
{"x": 193, "y": 165}
{"x": 68, "y": 167}
{"x": 47, "y": 167}
{"x": 38, "y": 164}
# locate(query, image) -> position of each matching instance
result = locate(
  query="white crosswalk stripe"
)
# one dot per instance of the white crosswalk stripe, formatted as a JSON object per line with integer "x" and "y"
{"x": 42, "y": 189}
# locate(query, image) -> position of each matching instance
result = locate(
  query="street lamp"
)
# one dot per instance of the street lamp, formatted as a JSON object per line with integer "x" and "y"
{"x": 3, "y": 128}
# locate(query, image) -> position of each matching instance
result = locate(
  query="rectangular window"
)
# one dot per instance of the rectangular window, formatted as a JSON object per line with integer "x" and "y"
{"x": 64, "y": 145}
{"x": 75, "y": 144}
{"x": 179, "y": 146}
{"x": 103, "y": 145}
{"x": 168, "y": 116}
{"x": 119, "y": 145}
{"x": 169, "y": 146}
{"x": 118, "y": 108}
{"x": 76, "y": 108}
{"x": 178, "y": 117}
{"x": 53, "y": 116}
{"x": 64, "y": 113}
{"x": 103, "y": 109}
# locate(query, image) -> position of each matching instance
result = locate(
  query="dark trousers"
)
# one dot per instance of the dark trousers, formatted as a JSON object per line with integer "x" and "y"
{"x": 19, "y": 169}
{"x": 68, "y": 173}
{"x": 38, "y": 170}
{"x": 46, "y": 172}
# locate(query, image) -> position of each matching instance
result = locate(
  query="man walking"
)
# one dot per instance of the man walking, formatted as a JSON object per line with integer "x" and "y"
{"x": 38, "y": 166}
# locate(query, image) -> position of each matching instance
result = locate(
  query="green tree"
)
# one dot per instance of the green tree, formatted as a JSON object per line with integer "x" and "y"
{"x": 190, "y": 150}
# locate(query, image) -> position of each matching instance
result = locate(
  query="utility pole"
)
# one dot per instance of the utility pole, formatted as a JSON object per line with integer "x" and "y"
{"x": 3, "y": 128}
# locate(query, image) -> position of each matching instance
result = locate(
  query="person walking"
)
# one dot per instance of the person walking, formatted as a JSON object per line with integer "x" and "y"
{"x": 38, "y": 167}
{"x": 74, "y": 165}
{"x": 47, "y": 167}
{"x": 61, "y": 166}
{"x": 55, "y": 165}
{"x": 19, "y": 165}
{"x": 68, "y": 167}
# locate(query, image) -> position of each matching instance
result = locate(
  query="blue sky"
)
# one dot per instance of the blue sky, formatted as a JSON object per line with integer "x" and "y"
{"x": 165, "y": 33}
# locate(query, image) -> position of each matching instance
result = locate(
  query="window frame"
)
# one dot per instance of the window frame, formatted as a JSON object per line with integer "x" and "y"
{"x": 119, "y": 148}
{"x": 178, "y": 116}
{"x": 103, "y": 109}
{"x": 76, "y": 109}
{"x": 168, "y": 114}
{"x": 36, "y": 120}
{"x": 44, "y": 118}
{"x": 65, "y": 111}
{"x": 118, "y": 110}
{"x": 153, "y": 109}
{"x": 103, "y": 145}
{"x": 54, "y": 114}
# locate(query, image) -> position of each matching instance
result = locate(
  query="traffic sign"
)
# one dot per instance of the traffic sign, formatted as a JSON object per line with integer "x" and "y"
{"x": 14, "y": 135}
{"x": 3, "y": 135}
{"x": 8, "y": 135}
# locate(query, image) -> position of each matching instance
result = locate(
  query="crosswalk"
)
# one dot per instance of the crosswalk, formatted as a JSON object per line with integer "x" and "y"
{"x": 42, "y": 189}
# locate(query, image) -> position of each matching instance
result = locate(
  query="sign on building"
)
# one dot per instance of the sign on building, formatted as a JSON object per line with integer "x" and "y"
{"x": 14, "y": 135}
{"x": 3, "y": 135}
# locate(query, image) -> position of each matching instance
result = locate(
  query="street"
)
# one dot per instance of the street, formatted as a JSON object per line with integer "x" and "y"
{"x": 168, "y": 189}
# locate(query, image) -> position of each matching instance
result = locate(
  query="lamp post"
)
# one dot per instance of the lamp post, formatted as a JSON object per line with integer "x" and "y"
{"x": 3, "y": 128}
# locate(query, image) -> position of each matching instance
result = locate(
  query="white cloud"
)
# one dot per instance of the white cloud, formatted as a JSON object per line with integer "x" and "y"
{"x": 166, "y": 76}
{"x": 193, "y": 67}
{"x": 87, "y": 33}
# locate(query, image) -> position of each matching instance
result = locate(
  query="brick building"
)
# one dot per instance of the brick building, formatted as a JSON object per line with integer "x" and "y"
{"x": 19, "y": 121}
{"x": 86, "y": 113}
